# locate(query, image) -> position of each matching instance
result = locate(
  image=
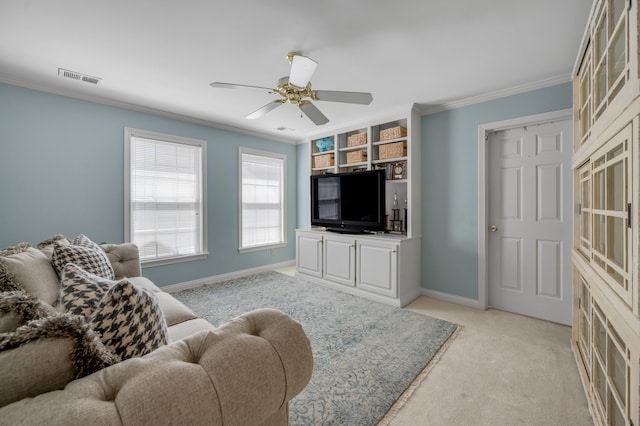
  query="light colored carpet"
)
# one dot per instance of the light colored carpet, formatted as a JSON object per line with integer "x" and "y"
{"x": 501, "y": 369}
{"x": 365, "y": 353}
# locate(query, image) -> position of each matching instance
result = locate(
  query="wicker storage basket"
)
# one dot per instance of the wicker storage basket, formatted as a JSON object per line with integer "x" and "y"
{"x": 357, "y": 139}
{"x": 393, "y": 133}
{"x": 325, "y": 160}
{"x": 392, "y": 150}
{"x": 356, "y": 157}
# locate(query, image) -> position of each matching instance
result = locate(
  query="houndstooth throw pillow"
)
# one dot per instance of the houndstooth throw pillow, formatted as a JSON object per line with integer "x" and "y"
{"x": 129, "y": 321}
{"x": 84, "y": 241}
{"x": 81, "y": 291}
{"x": 84, "y": 253}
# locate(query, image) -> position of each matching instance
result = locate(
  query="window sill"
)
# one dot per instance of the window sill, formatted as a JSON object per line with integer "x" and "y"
{"x": 263, "y": 247}
{"x": 170, "y": 260}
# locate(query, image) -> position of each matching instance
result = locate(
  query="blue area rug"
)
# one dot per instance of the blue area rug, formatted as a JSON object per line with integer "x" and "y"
{"x": 365, "y": 353}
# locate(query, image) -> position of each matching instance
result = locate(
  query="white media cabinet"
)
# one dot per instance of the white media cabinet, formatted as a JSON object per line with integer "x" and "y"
{"x": 380, "y": 267}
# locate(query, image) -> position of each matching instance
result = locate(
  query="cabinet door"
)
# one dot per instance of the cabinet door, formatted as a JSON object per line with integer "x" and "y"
{"x": 583, "y": 196}
{"x": 309, "y": 256}
{"x": 582, "y": 99}
{"x": 612, "y": 186}
{"x": 610, "y": 371}
{"x": 339, "y": 262}
{"x": 378, "y": 267}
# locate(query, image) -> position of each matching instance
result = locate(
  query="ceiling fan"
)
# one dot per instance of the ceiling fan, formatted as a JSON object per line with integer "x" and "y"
{"x": 296, "y": 89}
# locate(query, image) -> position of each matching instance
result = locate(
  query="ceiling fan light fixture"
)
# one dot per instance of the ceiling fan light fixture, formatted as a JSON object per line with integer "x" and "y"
{"x": 302, "y": 69}
{"x": 296, "y": 90}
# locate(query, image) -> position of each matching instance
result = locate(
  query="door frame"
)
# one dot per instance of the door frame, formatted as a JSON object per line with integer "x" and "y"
{"x": 483, "y": 193}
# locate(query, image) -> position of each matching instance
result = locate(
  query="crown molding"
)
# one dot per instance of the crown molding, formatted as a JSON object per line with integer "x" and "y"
{"x": 541, "y": 84}
{"x": 146, "y": 110}
{"x": 422, "y": 109}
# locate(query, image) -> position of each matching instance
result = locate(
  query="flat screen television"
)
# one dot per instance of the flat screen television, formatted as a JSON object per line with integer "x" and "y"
{"x": 351, "y": 202}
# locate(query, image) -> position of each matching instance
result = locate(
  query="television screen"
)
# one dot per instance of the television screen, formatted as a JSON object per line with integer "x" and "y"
{"x": 349, "y": 202}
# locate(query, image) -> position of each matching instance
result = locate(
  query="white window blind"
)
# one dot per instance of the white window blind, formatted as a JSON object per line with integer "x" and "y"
{"x": 166, "y": 206}
{"x": 262, "y": 200}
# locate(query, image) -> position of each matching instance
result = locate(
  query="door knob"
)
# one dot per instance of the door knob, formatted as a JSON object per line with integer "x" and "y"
{"x": 493, "y": 228}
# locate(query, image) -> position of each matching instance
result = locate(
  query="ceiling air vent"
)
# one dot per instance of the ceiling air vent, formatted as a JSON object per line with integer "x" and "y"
{"x": 78, "y": 76}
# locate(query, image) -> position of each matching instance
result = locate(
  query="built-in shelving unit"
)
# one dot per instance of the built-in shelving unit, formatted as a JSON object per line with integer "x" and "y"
{"x": 361, "y": 147}
{"x": 606, "y": 163}
{"x": 384, "y": 267}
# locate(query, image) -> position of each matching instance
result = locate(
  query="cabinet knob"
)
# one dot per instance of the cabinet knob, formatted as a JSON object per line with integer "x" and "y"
{"x": 493, "y": 228}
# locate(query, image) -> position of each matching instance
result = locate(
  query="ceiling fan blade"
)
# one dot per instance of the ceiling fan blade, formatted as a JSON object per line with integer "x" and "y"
{"x": 361, "y": 98}
{"x": 265, "y": 109}
{"x": 217, "y": 84}
{"x": 313, "y": 113}
{"x": 302, "y": 68}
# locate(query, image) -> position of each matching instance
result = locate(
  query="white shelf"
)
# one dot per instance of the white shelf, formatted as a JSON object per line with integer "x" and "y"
{"x": 353, "y": 148}
{"x": 389, "y": 160}
{"x": 402, "y": 139}
{"x": 322, "y": 169}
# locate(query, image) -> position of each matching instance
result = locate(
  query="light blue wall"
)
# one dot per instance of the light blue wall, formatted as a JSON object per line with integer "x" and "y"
{"x": 450, "y": 184}
{"x": 62, "y": 171}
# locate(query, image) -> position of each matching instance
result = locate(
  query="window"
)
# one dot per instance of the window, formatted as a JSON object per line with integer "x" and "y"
{"x": 165, "y": 203}
{"x": 262, "y": 200}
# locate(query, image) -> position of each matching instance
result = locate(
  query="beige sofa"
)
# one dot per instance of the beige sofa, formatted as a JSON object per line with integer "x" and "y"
{"x": 241, "y": 373}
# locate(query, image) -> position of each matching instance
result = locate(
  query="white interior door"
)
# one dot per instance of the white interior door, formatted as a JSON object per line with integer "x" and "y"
{"x": 530, "y": 221}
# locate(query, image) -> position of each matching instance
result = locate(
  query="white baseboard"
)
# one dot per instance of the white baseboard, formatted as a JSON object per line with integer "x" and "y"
{"x": 452, "y": 298}
{"x": 172, "y": 288}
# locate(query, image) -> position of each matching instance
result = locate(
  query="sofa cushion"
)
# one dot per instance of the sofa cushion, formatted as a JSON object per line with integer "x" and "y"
{"x": 173, "y": 310}
{"x": 36, "y": 367}
{"x": 129, "y": 321}
{"x": 32, "y": 271}
{"x": 81, "y": 291}
{"x": 187, "y": 328}
{"x": 84, "y": 253}
{"x": 145, "y": 283}
{"x": 46, "y": 354}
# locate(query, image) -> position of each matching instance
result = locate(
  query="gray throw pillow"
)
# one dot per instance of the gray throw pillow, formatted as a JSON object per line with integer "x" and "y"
{"x": 31, "y": 270}
{"x": 46, "y": 354}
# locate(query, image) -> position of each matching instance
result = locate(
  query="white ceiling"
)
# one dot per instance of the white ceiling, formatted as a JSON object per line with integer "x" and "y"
{"x": 162, "y": 54}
